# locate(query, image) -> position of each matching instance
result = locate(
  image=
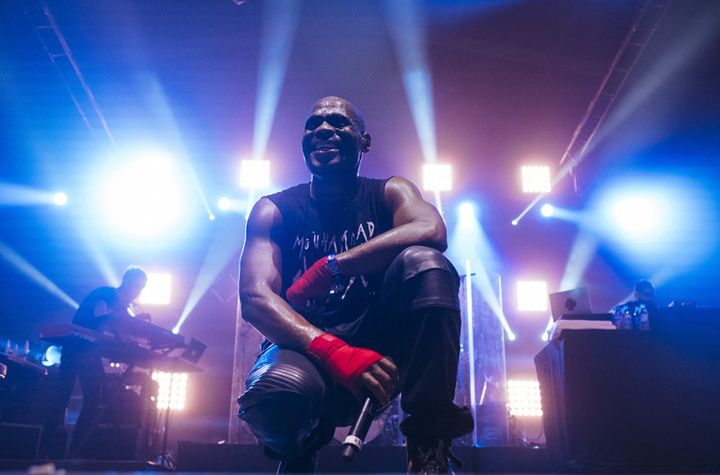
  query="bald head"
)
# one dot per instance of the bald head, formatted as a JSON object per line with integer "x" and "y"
{"x": 342, "y": 104}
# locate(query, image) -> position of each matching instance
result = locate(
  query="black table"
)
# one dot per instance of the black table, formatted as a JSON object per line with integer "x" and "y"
{"x": 624, "y": 399}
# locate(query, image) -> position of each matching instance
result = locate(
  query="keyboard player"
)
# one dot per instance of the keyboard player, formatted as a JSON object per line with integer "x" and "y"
{"x": 100, "y": 310}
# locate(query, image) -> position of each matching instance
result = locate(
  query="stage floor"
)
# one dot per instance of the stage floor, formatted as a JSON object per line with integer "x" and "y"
{"x": 205, "y": 458}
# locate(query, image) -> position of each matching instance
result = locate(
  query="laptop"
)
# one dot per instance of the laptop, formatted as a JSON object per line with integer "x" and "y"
{"x": 570, "y": 302}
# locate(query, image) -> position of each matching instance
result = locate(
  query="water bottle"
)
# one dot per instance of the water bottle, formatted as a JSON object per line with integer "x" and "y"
{"x": 644, "y": 318}
{"x": 617, "y": 318}
{"x": 627, "y": 323}
{"x": 636, "y": 317}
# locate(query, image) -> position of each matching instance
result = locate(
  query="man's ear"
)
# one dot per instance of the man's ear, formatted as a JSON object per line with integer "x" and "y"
{"x": 365, "y": 142}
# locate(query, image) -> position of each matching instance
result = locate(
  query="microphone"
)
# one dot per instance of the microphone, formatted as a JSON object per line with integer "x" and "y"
{"x": 356, "y": 437}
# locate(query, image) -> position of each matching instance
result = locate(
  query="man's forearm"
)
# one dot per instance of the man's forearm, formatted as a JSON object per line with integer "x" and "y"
{"x": 377, "y": 253}
{"x": 277, "y": 321}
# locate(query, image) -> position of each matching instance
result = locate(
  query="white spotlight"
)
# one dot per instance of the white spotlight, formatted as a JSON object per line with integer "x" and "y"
{"x": 143, "y": 197}
{"x": 535, "y": 179}
{"x": 437, "y": 177}
{"x": 224, "y": 204}
{"x": 60, "y": 198}
{"x": 467, "y": 211}
{"x": 547, "y": 210}
{"x": 254, "y": 174}
{"x": 532, "y": 296}
{"x": 158, "y": 290}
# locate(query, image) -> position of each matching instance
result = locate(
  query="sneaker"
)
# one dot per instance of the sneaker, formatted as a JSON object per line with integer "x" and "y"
{"x": 431, "y": 458}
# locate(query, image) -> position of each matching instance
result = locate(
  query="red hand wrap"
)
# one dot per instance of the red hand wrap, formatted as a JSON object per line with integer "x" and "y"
{"x": 314, "y": 282}
{"x": 345, "y": 363}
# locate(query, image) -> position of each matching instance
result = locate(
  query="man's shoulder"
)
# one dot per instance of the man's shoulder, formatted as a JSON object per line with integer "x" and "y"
{"x": 367, "y": 179}
{"x": 375, "y": 184}
{"x": 104, "y": 291}
{"x": 294, "y": 192}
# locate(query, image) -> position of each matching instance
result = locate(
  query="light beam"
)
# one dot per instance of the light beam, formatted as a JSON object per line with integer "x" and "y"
{"x": 27, "y": 270}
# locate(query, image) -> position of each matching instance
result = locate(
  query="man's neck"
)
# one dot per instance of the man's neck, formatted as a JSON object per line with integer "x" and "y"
{"x": 333, "y": 191}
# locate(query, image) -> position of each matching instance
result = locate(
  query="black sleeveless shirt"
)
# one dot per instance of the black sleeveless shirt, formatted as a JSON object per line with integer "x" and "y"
{"x": 312, "y": 230}
{"x": 85, "y": 314}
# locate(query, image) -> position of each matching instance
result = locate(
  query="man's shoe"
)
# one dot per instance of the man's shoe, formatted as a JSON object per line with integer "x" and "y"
{"x": 430, "y": 458}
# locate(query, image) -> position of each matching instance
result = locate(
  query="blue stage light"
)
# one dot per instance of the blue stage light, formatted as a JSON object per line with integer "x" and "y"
{"x": 467, "y": 211}
{"x": 143, "y": 197}
{"x": 654, "y": 220}
{"x": 224, "y": 203}
{"x": 60, "y": 198}
{"x": 280, "y": 20}
{"x": 52, "y": 356}
{"x": 637, "y": 214}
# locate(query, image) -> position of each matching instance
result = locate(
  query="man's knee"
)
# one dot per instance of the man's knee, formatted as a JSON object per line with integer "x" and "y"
{"x": 417, "y": 259}
{"x": 282, "y": 402}
{"x": 427, "y": 277}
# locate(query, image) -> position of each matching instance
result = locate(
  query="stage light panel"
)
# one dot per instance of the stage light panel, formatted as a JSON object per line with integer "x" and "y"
{"x": 254, "y": 174}
{"x": 158, "y": 290}
{"x": 172, "y": 390}
{"x": 532, "y": 296}
{"x": 437, "y": 177}
{"x": 523, "y": 398}
{"x": 535, "y": 179}
{"x": 60, "y": 198}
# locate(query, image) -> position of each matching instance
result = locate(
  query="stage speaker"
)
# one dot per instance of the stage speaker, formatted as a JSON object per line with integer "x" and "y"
{"x": 19, "y": 441}
{"x": 121, "y": 442}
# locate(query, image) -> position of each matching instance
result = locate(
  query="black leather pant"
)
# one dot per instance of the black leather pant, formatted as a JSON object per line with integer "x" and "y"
{"x": 292, "y": 407}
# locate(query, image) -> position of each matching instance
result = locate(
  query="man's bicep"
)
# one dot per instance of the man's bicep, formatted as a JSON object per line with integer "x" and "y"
{"x": 260, "y": 265}
{"x": 408, "y": 205}
{"x": 260, "y": 262}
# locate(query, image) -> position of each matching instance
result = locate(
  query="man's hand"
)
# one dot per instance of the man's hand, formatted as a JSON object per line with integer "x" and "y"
{"x": 315, "y": 282}
{"x": 146, "y": 317}
{"x": 379, "y": 380}
{"x": 358, "y": 369}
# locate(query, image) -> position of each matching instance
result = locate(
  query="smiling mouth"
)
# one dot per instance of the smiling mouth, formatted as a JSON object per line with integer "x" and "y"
{"x": 325, "y": 153}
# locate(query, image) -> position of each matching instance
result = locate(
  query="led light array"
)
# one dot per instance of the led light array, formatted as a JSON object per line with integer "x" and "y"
{"x": 523, "y": 398}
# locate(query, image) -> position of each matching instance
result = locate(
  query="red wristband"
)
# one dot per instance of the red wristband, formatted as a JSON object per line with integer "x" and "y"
{"x": 314, "y": 282}
{"x": 345, "y": 363}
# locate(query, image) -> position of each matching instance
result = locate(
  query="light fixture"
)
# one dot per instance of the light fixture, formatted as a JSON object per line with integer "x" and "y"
{"x": 437, "y": 177}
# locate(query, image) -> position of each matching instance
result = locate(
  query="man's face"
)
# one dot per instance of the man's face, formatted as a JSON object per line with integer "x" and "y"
{"x": 333, "y": 139}
{"x": 645, "y": 295}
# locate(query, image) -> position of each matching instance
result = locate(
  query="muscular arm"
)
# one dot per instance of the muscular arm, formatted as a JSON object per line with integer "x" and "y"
{"x": 261, "y": 282}
{"x": 415, "y": 222}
